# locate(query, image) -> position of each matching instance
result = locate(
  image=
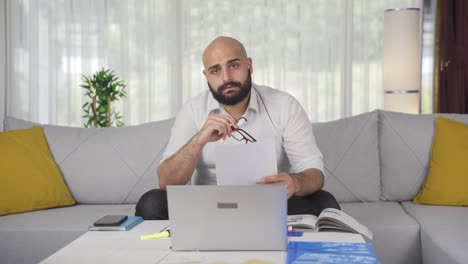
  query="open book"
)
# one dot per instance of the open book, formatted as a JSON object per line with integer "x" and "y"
{"x": 329, "y": 220}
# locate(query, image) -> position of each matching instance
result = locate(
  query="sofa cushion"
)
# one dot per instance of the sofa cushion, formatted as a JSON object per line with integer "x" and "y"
{"x": 396, "y": 234}
{"x": 106, "y": 165}
{"x": 351, "y": 157}
{"x": 405, "y": 143}
{"x": 443, "y": 232}
{"x": 33, "y": 246}
{"x": 30, "y": 177}
{"x": 73, "y": 218}
{"x": 23, "y": 235}
{"x": 447, "y": 179}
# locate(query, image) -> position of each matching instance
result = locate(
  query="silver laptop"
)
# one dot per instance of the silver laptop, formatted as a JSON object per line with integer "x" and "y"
{"x": 228, "y": 217}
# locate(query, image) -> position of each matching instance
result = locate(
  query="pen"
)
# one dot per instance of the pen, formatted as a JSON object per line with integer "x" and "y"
{"x": 166, "y": 227}
{"x": 163, "y": 234}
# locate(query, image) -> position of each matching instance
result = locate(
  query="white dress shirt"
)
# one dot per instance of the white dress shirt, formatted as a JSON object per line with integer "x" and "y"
{"x": 270, "y": 114}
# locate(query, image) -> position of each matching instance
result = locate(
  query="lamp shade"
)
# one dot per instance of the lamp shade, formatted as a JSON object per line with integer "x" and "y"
{"x": 402, "y": 60}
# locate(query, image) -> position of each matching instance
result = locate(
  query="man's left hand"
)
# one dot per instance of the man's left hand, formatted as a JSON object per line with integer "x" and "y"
{"x": 281, "y": 179}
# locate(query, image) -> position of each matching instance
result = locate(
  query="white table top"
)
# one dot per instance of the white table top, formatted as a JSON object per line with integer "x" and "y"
{"x": 114, "y": 247}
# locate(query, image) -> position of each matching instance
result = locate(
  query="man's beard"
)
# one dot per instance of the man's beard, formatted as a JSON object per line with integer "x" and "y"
{"x": 235, "y": 98}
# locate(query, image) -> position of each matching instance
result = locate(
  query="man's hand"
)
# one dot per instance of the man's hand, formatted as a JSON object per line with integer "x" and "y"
{"x": 300, "y": 184}
{"x": 215, "y": 128}
{"x": 178, "y": 169}
{"x": 281, "y": 179}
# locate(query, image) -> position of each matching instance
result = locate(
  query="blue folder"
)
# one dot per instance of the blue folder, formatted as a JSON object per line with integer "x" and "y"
{"x": 330, "y": 252}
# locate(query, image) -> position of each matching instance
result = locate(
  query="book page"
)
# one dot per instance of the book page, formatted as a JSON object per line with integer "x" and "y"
{"x": 300, "y": 222}
{"x": 334, "y": 219}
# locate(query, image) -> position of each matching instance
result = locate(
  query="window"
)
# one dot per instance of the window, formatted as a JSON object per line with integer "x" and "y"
{"x": 326, "y": 53}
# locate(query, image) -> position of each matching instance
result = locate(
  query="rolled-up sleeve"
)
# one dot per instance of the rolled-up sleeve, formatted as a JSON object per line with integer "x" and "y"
{"x": 299, "y": 141}
{"x": 182, "y": 131}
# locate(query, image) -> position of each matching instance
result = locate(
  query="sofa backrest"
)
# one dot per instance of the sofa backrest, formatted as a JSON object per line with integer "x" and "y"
{"x": 351, "y": 157}
{"x": 374, "y": 156}
{"x": 106, "y": 165}
{"x": 118, "y": 165}
{"x": 405, "y": 144}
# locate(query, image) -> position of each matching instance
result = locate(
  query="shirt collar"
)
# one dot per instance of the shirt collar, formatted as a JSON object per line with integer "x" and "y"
{"x": 215, "y": 105}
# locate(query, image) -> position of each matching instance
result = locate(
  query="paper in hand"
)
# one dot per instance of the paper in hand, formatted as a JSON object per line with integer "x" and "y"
{"x": 245, "y": 164}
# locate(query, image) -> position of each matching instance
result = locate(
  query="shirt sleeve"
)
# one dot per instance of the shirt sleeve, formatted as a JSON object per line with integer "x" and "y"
{"x": 299, "y": 141}
{"x": 182, "y": 131}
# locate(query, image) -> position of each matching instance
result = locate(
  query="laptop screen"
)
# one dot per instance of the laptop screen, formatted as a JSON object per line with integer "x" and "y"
{"x": 211, "y": 217}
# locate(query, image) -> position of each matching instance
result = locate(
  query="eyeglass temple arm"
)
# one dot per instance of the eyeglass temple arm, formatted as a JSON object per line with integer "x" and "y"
{"x": 237, "y": 121}
{"x": 243, "y": 131}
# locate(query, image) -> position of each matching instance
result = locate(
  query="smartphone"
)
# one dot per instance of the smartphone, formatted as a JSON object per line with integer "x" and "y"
{"x": 111, "y": 220}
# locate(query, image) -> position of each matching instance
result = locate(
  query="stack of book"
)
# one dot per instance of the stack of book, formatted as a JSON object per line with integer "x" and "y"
{"x": 126, "y": 225}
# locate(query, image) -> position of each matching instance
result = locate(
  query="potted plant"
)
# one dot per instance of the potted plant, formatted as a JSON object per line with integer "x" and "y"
{"x": 103, "y": 88}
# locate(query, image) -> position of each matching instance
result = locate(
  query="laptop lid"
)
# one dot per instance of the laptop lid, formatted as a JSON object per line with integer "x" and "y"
{"x": 228, "y": 217}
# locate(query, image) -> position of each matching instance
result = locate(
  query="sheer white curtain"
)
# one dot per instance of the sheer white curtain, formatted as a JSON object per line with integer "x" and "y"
{"x": 296, "y": 46}
{"x": 327, "y": 53}
{"x": 2, "y": 60}
{"x": 51, "y": 43}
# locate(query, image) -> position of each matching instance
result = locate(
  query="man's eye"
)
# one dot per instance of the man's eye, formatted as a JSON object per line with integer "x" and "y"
{"x": 214, "y": 71}
{"x": 234, "y": 66}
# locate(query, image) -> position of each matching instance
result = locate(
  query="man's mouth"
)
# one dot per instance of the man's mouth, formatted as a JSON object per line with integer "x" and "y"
{"x": 230, "y": 88}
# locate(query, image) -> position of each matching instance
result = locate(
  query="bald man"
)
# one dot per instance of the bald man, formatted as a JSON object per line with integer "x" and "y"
{"x": 236, "y": 111}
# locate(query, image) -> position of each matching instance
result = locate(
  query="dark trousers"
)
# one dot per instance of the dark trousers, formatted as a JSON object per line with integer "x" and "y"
{"x": 153, "y": 204}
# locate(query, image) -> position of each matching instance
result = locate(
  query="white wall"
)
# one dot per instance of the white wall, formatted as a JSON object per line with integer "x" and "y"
{"x": 2, "y": 62}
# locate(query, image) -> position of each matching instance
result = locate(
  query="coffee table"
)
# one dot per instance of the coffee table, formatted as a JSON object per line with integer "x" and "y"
{"x": 113, "y": 247}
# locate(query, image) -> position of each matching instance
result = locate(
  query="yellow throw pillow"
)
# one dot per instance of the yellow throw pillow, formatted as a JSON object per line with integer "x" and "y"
{"x": 447, "y": 181}
{"x": 30, "y": 179}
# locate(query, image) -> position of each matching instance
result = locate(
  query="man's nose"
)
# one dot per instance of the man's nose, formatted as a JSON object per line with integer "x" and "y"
{"x": 226, "y": 75}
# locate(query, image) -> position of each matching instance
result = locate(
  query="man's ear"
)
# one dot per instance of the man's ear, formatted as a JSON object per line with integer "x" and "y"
{"x": 249, "y": 62}
{"x": 204, "y": 72}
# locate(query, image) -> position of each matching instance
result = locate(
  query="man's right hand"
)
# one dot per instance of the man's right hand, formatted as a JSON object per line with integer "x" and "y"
{"x": 178, "y": 169}
{"x": 215, "y": 128}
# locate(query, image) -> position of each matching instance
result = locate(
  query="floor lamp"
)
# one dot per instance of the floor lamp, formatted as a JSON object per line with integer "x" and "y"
{"x": 402, "y": 60}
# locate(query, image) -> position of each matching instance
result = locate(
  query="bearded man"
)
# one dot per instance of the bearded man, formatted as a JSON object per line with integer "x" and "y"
{"x": 223, "y": 115}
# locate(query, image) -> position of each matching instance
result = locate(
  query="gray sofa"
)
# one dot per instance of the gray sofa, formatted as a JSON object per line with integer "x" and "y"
{"x": 375, "y": 163}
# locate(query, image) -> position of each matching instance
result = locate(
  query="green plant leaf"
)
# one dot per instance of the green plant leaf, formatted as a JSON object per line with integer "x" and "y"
{"x": 98, "y": 87}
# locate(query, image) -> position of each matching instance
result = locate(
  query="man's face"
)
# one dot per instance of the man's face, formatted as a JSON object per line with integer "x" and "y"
{"x": 228, "y": 72}
{"x": 232, "y": 92}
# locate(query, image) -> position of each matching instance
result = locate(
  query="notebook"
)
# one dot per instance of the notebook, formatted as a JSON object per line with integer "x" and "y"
{"x": 228, "y": 217}
{"x": 128, "y": 224}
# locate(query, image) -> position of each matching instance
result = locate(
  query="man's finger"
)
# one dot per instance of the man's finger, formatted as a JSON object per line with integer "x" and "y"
{"x": 231, "y": 121}
{"x": 272, "y": 179}
{"x": 228, "y": 120}
{"x": 225, "y": 122}
{"x": 279, "y": 183}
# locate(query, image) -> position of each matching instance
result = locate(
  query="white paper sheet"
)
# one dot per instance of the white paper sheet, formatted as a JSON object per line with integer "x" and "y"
{"x": 245, "y": 164}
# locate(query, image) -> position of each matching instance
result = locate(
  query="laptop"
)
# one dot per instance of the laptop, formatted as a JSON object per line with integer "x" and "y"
{"x": 210, "y": 217}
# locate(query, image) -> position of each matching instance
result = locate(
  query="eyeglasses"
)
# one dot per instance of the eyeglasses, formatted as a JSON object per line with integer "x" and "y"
{"x": 239, "y": 134}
